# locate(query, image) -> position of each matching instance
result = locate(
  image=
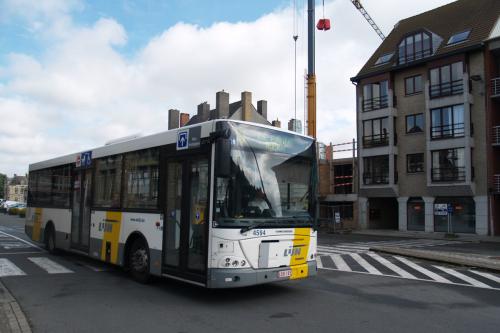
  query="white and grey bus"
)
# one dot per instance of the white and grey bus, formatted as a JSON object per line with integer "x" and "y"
{"x": 218, "y": 204}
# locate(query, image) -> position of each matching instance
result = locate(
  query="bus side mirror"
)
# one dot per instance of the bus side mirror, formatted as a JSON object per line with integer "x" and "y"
{"x": 223, "y": 158}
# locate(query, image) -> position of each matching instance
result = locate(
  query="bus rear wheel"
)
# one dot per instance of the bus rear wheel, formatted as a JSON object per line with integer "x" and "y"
{"x": 139, "y": 261}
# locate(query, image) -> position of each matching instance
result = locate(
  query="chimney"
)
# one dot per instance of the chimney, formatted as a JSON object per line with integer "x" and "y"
{"x": 203, "y": 112}
{"x": 262, "y": 108}
{"x": 222, "y": 105}
{"x": 173, "y": 119}
{"x": 184, "y": 119}
{"x": 276, "y": 123}
{"x": 246, "y": 106}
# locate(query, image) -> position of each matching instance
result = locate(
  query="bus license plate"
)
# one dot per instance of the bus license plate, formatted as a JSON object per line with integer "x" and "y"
{"x": 283, "y": 274}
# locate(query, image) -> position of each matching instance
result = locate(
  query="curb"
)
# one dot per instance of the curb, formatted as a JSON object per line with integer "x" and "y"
{"x": 447, "y": 257}
{"x": 12, "y": 318}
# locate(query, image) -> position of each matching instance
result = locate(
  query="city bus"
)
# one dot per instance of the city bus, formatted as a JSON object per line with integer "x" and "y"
{"x": 218, "y": 204}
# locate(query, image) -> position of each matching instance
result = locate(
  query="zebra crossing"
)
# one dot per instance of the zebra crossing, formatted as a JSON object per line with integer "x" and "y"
{"x": 363, "y": 247}
{"x": 21, "y": 266}
{"x": 356, "y": 258}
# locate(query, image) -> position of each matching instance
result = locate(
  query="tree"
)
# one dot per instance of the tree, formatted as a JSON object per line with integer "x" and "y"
{"x": 3, "y": 180}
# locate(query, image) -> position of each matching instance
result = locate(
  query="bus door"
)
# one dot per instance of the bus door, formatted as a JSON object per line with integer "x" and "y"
{"x": 186, "y": 217}
{"x": 80, "y": 216}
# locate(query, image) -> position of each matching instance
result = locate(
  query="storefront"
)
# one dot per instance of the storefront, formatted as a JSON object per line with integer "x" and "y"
{"x": 462, "y": 215}
{"x": 416, "y": 214}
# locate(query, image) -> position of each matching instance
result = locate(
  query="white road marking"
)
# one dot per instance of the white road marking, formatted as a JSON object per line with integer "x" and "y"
{"x": 401, "y": 272}
{"x": 463, "y": 277}
{"x": 22, "y": 240}
{"x": 365, "y": 264}
{"x": 50, "y": 266}
{"x": 486, "y": 275}
{"x": 340, "y": 263}
{"x": 27, "y": 252}
{"x": 319, "y": 263}
{"x": 7, "y": 268}
{"x": 423, "y": 270}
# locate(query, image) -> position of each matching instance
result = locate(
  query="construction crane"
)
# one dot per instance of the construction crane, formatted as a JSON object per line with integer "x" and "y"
{"x": 367, "y": 16}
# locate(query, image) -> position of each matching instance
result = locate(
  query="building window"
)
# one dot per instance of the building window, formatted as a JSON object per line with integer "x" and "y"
{"x": 107, "y": 187}
{"x": 416, "y": 214}
{"x": 415, "y": 163}
{"x": 447, "y": 122}
{"x": 375, "y": 96}
{"x": 141, "y": 179}
{"x": 61, "y": 186}
{"x": 376, "y": 170}
{"x": 462, "y": 218}
{"x": 384, "y": 59}
{"x": 448, "y": 165}
{"x": 415, "y": 123}
{"x": 447, "y": 80}
{"x": 458, "y": 37}
{"x": 342, "y": 179}
{"x": 413, "y": 85}
{"x": 414, "y": 47}
{"x": 376, "y": 132}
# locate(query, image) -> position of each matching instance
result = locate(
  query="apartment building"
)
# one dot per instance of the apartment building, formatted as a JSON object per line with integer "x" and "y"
{"x": 428, "y": 122}
{"x": 295, "y": 125}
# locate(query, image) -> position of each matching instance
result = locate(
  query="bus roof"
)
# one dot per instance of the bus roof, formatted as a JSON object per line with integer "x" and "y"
{"x": 144, "y": 142}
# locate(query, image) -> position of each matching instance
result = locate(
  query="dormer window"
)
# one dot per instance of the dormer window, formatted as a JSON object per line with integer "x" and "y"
{"x": 384, "y": 59}
{"x": 414, "y": 47}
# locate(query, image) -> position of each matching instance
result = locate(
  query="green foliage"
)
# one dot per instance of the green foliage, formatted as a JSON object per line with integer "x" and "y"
{"x": 3, "y": 179}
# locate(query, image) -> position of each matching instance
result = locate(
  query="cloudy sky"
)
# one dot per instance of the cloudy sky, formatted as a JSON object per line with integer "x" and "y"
{"x": 76, "y": 73}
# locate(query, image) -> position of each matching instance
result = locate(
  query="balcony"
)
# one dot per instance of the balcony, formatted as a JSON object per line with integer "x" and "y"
{"x": 446, "y": 89}
{"x": 376, "y": 178}
{"x": 375, "y": 103}
{"x": 448, "y": 131}
{"x": 448, "y": 174}
{"x": 375, "y": 140}
{"x": 495, "y": 87}
{"x": 496, "y": 184}
{"x": 496, "y": 136}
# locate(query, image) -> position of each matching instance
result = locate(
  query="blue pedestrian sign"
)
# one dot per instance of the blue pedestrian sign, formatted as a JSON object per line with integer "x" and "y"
{"x": 84, "y": 160}
{"x": 182, "y": 140}
{"x": 450, "y": 209}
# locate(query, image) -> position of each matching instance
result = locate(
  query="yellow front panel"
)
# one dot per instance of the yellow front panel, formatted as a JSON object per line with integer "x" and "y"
{"x": 37, "y": 224}
{"x": 298, "y": 262}
{"x": 111, "y": 235}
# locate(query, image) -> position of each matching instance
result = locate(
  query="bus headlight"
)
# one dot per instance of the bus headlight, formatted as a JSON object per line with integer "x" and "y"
{"x": 233, "y": 262}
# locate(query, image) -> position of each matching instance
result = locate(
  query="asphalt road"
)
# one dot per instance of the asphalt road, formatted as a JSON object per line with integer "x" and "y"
{"x": 90, "y": 297}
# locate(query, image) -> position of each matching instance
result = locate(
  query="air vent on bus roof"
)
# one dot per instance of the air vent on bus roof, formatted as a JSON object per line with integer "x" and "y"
{"x": 123, "y": 139}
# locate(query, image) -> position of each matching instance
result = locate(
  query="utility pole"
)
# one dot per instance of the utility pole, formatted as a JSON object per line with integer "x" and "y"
{"x": 311, "y": 76}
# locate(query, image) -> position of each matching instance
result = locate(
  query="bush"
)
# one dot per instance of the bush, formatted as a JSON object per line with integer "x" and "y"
{"x": 21, "y": 212}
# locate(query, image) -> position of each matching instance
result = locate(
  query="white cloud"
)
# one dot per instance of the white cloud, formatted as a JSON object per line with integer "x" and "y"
{"x": 83, "y": 91}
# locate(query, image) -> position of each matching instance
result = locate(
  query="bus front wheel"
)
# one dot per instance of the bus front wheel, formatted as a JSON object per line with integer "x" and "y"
{"x": 139, "y": 261}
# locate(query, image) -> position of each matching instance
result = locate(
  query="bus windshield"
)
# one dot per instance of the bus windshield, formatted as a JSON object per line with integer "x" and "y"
{"x": 270, "y": 179}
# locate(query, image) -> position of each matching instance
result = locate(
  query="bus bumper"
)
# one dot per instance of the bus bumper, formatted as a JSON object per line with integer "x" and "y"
{"x": 233, "y": 278}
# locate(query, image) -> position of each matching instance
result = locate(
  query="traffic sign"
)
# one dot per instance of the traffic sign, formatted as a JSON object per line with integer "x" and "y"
{"x": 182, "y": 140}
{"x": 450, "y": 209}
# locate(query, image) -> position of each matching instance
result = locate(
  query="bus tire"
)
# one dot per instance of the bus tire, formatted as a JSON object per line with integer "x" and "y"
{"x": 139, "y": 261}
{"x": 50, "y": 239}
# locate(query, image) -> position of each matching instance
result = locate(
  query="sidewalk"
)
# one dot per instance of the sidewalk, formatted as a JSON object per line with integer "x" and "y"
{"x": 428, "y": 235}
{"x": 12, "y": 319}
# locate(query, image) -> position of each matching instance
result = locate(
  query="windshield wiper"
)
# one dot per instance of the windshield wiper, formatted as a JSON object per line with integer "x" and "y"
{"x": 253, "y": 226}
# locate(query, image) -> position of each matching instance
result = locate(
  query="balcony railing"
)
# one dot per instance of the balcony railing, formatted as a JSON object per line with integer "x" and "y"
{"x": 447, "y": 88}
{"x": 496, "y": 135}
{"x": 375, "y": 103}
{"x": 448, "y": 131}
{"x": 496, "y": 184}
{"x": 375, "y": 140}
{"x": 448, "y": 174}
{"x": 372, "y": 178}
{"x": 495, "y": 87}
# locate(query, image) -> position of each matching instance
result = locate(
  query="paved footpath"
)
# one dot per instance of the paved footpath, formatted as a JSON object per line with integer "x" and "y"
{"x": 12, "y": 318}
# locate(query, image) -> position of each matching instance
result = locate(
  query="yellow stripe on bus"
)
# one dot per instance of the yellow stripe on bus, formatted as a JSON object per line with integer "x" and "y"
{"x": 37, "y": 224}
{"x": 111, "y": 235}
{"x": 298, "y": 262}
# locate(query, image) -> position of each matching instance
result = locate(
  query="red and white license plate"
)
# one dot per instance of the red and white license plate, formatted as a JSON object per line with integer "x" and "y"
{"x": 283, "y": 274}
